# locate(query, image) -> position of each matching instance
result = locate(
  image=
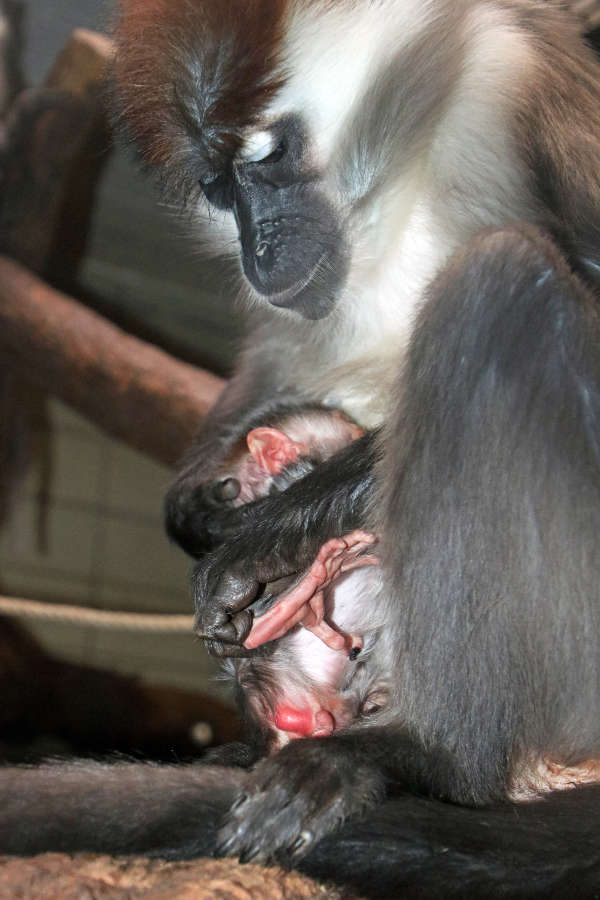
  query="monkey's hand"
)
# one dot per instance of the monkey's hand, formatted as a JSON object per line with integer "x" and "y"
{"x": 296, "y": 797}
{"x": 225, "y": 585}
{"x": 280, "y": 535}
{"x": 201, "y": 518}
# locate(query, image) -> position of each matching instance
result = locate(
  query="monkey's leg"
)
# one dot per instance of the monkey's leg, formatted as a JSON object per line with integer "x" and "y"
{"x": 410, "y": 846}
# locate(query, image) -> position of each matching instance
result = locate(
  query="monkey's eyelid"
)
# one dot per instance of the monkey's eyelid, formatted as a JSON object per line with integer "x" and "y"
{"x": 262, "y": 147}
{"x": 209, "y": 179}
{"x": 257, "y": 146}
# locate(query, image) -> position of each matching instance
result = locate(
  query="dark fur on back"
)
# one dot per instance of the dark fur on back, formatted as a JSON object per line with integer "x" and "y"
{"x": 499, "y": 478}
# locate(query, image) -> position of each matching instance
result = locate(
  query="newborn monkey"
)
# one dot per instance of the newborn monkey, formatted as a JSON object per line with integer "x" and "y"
{"x": 270, "y": 459}
{"x": 308, "y": 683}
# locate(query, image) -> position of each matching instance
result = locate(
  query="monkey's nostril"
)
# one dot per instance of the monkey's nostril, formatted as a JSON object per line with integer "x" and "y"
{"x": 264, "y": 258}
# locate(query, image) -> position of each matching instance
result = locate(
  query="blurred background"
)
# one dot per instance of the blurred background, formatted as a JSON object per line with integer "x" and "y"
{"x": 81, "y": 518}
{"x": 81, "y": 491}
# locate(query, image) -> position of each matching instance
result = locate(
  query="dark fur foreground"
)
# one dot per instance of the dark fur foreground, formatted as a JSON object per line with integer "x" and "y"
{"x": 410, "y": 846}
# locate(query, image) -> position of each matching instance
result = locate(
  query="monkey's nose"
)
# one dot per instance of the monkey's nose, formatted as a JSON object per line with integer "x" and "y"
{"x": 264, "y": 258}
{"x": 304, "y": 722}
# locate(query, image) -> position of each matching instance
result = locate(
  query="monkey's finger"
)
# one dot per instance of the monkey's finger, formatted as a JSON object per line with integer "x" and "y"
{"x": 358, "y": 536}
{"x": 359, "y": 562}
{"x": 288, "y": 611}
{"x": 226, "y": 489}
{"x": 233, "y": 631}
{"x": 317, "y": 606}
{"x": 219, "y": 589}
{"x": 270, "y": 627}
{"x": 333, "y": 639}
{"x": 226, "y": 651}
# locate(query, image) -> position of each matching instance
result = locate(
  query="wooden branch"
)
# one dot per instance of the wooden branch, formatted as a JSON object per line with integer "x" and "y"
{"x": 132, "y": 390}
{"x": 57, "y": 142}
{"x": 11, "y": 41}
{"x": 82, "y": 65}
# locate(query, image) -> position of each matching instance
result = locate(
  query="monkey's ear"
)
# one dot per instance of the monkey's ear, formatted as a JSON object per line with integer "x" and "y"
{"x": 273, "y": 450}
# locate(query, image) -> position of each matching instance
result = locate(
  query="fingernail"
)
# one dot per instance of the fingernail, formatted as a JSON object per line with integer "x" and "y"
{"x": 305, "y": 838}
{"x": 225, "y": 847}
{"x": 239, "y": 802}
{"x": 248, "y": 855}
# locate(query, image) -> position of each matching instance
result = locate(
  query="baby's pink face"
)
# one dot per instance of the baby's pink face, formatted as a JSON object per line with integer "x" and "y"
{"x": 316, "y": 715}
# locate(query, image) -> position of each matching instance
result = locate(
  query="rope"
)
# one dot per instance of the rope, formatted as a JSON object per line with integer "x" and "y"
{"x": 96, "y": 618}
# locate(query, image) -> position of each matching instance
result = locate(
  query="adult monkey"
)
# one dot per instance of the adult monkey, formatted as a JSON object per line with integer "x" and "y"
{"x": 366, "y": 150}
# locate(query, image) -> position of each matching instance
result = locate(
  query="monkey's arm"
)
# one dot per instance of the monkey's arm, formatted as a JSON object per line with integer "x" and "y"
{"x": 279, "y": 535}
{"x": 194, "y": 518}
{"x": 292, "y": 804}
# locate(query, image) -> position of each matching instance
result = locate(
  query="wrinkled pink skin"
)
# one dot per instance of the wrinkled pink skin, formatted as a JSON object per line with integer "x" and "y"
{"x": 305, "y": 604}
{"x": 304, "y": 722}
{"x": 270, "y": 450}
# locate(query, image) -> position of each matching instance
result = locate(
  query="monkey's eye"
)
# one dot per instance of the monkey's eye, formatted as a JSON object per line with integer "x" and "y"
{"x": 218, "y": 191}
{"x": 275, "y": 155}
{"x": 226, "y": 489}
{"x": 263, "y": 148}
{"x": 374, "y": 701}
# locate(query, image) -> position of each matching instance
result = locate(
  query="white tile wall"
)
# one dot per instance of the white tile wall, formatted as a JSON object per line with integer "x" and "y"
{"x": 106, "y": 548}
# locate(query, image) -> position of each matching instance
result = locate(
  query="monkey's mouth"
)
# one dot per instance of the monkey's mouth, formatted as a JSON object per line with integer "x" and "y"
{"x": 312, "y": 296}
{"x": 287, "y": 297}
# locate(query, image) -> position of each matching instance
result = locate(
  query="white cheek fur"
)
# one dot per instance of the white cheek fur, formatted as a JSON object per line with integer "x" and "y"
{"x": 335, "y": 54}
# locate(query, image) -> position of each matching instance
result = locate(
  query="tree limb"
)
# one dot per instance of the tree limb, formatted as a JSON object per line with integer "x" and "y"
{"x": 131, "y": 389}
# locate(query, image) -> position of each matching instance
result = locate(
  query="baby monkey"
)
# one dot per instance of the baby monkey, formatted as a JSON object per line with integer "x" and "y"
{"x": 269, "y": 459}
{"x": 308, "y": 683}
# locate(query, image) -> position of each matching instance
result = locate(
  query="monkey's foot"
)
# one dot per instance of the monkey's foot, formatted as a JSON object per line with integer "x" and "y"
{"x": 294, "y": 798}
{"x": 305, "y": 602}
{"x": 546, "y": 775}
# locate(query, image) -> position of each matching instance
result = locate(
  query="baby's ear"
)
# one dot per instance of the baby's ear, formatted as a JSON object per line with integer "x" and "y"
{"x": 273, "y": 450}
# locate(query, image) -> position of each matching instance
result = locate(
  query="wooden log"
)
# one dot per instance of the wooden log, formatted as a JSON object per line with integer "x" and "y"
{"x": 82, "y": 65}
{"x": 56, "y": 145}
{"x": 14, "y": 412}
{"x": 53, "y": 146}
{"x": 132, "y": 390}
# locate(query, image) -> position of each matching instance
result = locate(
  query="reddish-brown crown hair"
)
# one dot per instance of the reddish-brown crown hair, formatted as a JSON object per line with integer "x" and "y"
{"x": 191, "y": 75}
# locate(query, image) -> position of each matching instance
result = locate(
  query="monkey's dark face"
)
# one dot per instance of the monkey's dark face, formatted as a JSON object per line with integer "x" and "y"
{"x": 198, "y": 94}
{"x": 292, "y": 247}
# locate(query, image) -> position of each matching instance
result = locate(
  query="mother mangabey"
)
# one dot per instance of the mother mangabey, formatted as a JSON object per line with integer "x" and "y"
{"x": 414, "y": 184}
